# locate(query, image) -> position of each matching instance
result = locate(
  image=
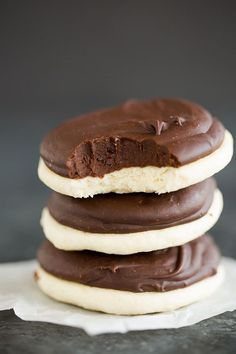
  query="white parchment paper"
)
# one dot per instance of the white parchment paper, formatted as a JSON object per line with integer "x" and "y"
{"x": 19, "y": 292}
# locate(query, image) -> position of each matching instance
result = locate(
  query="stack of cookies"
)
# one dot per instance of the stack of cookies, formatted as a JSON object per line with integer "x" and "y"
{"x": 133, "y": 199}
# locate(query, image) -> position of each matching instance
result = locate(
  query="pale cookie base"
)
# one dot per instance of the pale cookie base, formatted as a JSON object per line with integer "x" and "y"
{"x": 125, "y": 302}
{"x": 67, "y": 238}
{"x": 148, "y": 179}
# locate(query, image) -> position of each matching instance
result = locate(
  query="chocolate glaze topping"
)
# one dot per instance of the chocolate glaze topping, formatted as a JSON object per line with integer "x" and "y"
{"x": 136, "y": 212}
{"x": 164, "y": 132}
{"x": 164, "y": 270}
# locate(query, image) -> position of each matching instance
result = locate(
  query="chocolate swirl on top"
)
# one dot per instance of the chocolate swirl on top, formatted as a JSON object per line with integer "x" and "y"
{"x": 164, "y": 132}
{"x": 159, "y": 271}
{"x": 136, "y": 212}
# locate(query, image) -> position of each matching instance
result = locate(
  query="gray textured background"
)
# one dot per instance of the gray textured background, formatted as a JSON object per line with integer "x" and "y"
{"x": 62, "y": 58}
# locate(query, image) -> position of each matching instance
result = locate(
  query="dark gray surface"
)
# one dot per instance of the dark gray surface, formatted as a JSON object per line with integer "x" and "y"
{"x": 62, "y": 58}
{"x": 216, "y": 335}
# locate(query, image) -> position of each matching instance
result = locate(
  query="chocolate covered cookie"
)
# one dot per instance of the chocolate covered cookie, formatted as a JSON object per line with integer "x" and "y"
{"x": 131, "y": 223}
{"x": 160, "y": 146}
{"x": 135, "y": 284}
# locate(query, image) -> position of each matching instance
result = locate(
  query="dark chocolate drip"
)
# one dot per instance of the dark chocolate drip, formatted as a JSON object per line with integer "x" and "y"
{"x": 163, "y": 132}
{"x": 164, "y": 270}
{"x": 136, "y": 212}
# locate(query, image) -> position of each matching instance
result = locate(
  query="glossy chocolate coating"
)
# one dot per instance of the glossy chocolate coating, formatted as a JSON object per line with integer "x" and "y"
{"x": 135, "y": 212}
{"x": 159, "y": 271}
{"x": 159, "y": 132}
